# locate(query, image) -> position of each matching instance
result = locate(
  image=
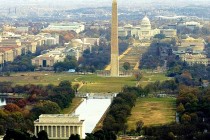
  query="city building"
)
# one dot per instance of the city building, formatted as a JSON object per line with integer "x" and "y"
{"x": 22, "y": 29}
{"x": 59, "y": 126}
{"x": 183, "y": 23}
{"x": 46, "y": 61}
{"x": 91, "y": 41}
{"x": 169, "y": 33}
{"x": 9, "y": 53}
{"x": 73, "y": 26}
{"x": 191, "y": 45}
{"x": 143, "y": 31}
{"x": 192, "y": 59}
{"x": 47, "y": 39}
{"x": 192, "y": 51}
{"x": 191, "y": 25}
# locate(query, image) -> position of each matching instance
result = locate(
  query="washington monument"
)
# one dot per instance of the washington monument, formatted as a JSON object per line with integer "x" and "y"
{"x": 114, "y": 41}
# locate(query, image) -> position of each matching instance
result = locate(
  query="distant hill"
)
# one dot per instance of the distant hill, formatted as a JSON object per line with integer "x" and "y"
{"x": 99, "y": 3}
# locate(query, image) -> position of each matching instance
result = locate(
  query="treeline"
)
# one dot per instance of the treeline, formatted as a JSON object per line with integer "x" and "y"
{"x": 20, "y": 113}
{"x": 24, "y": 135}
{"x": 20, "y": 64}
{"x": 157, "y": 87}
{"x": 176, "y": 132}
{"x": 100, "y": 55}
{"x": 16, "y": 134}
{"x": 188, "y": 75}
{"x": 193, "y": 108}
{"x": 182, "y": 72}
{"x": 23, "y": 62}
{"x": 68, "y": 63}
{"x": 120, "y": 109}
{"x": 101, "y": 135}
{"x": 154, "y": 56}
{"x": 193, "y": 105}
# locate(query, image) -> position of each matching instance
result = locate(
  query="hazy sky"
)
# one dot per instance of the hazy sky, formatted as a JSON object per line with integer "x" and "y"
{"x": 100, "y": 3}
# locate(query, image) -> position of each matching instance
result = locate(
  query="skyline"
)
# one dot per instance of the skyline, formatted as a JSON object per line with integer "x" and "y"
{"x": 102, "y": 3}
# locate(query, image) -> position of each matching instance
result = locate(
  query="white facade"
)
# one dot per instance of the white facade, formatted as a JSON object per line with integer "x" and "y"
{"x": 59, "y": 126}
{"x": 143, "y": 32}
{"x": 77, "y": 27}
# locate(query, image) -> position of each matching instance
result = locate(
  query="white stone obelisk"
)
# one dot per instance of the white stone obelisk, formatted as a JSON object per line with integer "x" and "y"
{"x": 114, "y": 42}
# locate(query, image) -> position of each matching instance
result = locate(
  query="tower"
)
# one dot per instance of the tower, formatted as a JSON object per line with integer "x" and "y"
{"x": 114, "y": 41}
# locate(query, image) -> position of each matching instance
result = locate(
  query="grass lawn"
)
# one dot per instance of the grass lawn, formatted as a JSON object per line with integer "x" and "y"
{"x": 43, "y": 78}
{"x": 91, "y": 82}
{"x": 106, "y": 84}
{"x": 75, "y": 103}
{"x": 152, "y": 111}
{"x": 152, "y": 77}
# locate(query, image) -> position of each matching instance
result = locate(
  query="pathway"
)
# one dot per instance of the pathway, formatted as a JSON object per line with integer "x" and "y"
{"x": 131, "y": 55}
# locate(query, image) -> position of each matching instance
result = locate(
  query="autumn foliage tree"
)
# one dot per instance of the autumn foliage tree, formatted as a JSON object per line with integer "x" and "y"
{"x": 12, "y": 107}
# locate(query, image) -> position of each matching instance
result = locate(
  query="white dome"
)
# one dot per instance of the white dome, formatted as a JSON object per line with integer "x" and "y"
{"x": 145, "y": 23}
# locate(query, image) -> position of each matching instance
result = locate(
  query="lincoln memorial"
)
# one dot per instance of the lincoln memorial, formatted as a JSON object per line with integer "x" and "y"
{"x": 59, "y": 126}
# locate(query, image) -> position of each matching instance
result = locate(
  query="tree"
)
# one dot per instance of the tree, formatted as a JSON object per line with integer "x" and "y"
{"x": 74, "y": 137}
{"x": 180, "y": 108}
{"x": 126, "y": 66}
{"x": 21, "y": 103}
{"x": 1, "y": 130}
{"x": 138, "y": 76}
{"x": 42, "y": 135}
{"x": 139, "y": 126}
{"x": 171, "y": 136}
{"x": 12, "y": 134}
{"x": 45, "y": 107}
{"x": 160, "y": 36}
{"x": 12, "y": 107}
{"x": 185, "y": 119}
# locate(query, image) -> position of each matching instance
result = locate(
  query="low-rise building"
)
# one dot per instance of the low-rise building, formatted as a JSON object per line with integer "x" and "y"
{"x": 91, "y": 41}
{"x": 192, "y": 51}
{"x": 22, "y": 29}
{"x": 59, "y": 126}
{"x": 73, "y": 26}
{"x": 191, "y": 45}
{"x": 169, "y": 33}
{"x": 192, "y": 59}
{"x": 49, "y": 59}
{"x": 8, "y": 54}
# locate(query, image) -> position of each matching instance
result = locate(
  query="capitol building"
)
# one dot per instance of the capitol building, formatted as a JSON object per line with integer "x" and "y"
{"x": 143, "y": 32}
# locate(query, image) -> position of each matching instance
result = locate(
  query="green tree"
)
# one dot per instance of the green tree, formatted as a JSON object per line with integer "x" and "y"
{"x": 160, "y": 36}
{"x": 74, "y": 137}
{"x": 45, "y": 107}
{"x": 126, "y": 65}
{"x": 180, "y": 108}
{"x": 185, "y": 119}
{"x": 42, "y": 135}
{"x": 138, "y": 76}
{"x": 1, "y": 130}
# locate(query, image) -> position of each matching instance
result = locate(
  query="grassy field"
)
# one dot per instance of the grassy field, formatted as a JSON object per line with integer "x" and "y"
{"x": 90, "y": 83}
{"x": 43, "y": 78}
{"x": 152, "y": 77}
{"x": 152, "y": 111}
{"x": 106, "y": 84}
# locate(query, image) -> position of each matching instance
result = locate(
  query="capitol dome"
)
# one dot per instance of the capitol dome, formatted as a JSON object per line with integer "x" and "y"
{"x": 145, "y": 23}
